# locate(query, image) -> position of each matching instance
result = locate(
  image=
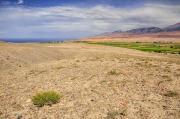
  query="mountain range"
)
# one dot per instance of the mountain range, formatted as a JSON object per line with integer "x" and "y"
{"x": 147, "y": 34}
{"x": 145, "y": 30}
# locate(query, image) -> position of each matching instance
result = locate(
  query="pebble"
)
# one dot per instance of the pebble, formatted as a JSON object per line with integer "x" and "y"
{"x": 19, "y": 116}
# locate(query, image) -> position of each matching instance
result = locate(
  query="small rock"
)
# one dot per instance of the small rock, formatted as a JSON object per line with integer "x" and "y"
{"x": 28, "y": 101}
{"x": 19, "y": 116}
{"x": 92, "y": 100}
{"x": 1, "y": 113}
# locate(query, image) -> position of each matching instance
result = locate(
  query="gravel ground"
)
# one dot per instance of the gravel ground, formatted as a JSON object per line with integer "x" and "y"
{"x": 97, "y": 82}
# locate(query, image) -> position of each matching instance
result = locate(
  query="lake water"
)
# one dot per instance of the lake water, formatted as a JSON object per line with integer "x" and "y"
{"x": 34, "y": 40}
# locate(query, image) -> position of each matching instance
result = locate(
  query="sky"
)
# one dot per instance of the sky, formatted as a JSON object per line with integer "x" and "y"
{"x": 72, "y": 19}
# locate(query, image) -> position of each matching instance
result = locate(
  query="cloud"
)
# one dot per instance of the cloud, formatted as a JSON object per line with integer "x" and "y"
{"x": 70, "y": 21}
{"x": 19, "y": 2}
{"x": 11, "y": 3}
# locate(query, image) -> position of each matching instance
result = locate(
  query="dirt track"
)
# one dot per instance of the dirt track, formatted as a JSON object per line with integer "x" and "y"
{"x": 144, "y": 85}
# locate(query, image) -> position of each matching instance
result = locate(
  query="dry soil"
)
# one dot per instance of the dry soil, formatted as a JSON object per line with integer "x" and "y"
{"x": 97, "y": 82}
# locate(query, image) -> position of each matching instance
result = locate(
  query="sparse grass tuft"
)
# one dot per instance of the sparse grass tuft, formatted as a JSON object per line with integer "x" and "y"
{"x": 45, "y": 98}
{"x": 171, "y": 94}
{"x": 59, "y": 67}
{"x": 114, "y": 114}
{"x": 113, "y": 72}
{"x": 166, "y": 76}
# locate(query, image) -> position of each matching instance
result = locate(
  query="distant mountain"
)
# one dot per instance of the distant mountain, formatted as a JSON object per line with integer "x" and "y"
{"x": 119, "y": 31}
{"x": 145, "y": 30}
{"x": 175, "y": 27}
{"x": 110, "y": 33}
{"x": 104, "y": 34}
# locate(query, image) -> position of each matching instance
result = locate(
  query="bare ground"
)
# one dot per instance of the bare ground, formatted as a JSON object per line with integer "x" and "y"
{"x": 97, "y": 82}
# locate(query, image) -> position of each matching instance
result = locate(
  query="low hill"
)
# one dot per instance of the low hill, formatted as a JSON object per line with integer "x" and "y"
{"x": 175, "y": 27}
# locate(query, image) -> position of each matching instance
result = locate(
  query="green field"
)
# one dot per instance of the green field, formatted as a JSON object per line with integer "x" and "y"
{"x": 173, "y": 48}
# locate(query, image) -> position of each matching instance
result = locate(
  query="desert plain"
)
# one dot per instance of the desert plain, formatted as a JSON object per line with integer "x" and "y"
{"x": 95, "y": 81}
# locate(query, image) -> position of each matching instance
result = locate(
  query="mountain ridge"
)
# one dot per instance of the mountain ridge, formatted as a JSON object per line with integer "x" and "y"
{"x": 144, "y": 30}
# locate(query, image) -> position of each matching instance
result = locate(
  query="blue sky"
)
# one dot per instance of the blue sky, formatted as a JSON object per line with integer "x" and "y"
{"x": 116, "y": 3}
{"x": 64, "y": 19}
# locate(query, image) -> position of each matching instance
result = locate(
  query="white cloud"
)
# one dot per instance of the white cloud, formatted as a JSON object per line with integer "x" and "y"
{"x": 19, "y": 2}
{"x": 68, "y": 21}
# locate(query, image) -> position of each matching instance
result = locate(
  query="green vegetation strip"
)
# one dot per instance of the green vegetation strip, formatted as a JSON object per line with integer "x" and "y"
{"x": 173, "y": 48}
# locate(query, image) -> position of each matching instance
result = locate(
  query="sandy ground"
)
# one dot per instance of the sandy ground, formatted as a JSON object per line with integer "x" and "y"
{"x": 144, "y": 85}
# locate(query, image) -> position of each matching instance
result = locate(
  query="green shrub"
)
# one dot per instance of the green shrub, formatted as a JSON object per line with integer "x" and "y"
{"x": 46, "y": 98}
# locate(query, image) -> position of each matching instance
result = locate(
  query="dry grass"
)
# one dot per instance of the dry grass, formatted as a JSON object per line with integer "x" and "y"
{"x": 115, "y": 114}
{"x": 113, "y": 72}
{"x": 171, "y": 94}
